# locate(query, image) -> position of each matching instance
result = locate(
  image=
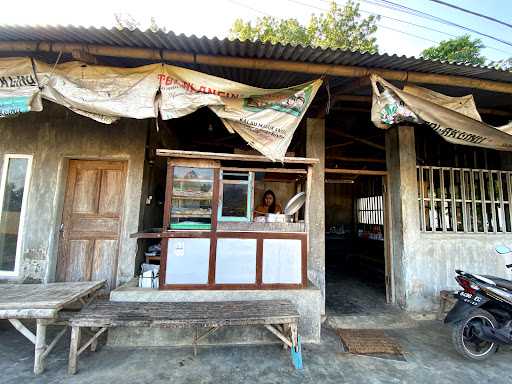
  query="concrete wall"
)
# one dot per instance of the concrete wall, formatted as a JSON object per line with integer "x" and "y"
{"x": 53, "y": 137}
{"x": 436, "y": 256}
{"x": 425, "y": 263}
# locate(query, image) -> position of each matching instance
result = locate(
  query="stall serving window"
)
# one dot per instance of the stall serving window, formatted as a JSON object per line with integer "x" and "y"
{"x": 212, "y": 237}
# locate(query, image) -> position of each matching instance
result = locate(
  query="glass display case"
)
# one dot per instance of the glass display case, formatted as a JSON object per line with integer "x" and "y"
{"x": 191, "y": 198}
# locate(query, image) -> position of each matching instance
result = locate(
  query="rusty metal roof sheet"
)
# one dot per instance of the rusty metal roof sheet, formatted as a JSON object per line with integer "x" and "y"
{"x": 236, "y": 48}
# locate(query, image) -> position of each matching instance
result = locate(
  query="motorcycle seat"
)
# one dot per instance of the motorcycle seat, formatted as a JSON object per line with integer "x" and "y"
{"x": 500, "y": 282}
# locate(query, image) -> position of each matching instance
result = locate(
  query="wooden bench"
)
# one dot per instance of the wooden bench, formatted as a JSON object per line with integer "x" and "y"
{"x": 279, "y": 317}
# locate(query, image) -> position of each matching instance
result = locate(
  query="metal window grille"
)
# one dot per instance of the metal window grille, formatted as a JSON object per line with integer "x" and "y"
{"x": 370, "y": 210}
{"x": 464, "y": 200}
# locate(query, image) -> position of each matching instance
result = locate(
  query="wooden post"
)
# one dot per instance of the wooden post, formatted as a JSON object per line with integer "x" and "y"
{"x": 40, "y": 346}
{"x": 73, "y": 350}
{"x": 94, "y": 343}
{"x": 315, "y": 148}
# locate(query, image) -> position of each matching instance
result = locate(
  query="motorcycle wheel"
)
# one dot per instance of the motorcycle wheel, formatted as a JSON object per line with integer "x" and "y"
{"x": 467, "y": 343}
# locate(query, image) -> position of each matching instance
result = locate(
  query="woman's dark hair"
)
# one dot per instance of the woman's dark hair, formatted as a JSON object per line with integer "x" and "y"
{"x": 272, "y": 207}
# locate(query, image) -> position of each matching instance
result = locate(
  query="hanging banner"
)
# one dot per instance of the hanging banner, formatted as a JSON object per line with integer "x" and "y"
{"x": 454, "y": 119}
{"x": 102, "y": 93}
{"x": 265, "y": 118}
{"x": 19, "y": 91}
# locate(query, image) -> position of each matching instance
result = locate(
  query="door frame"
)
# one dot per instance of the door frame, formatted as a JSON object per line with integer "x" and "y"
{"x": 388, "y": 250}
{"x": 62, "y": 191}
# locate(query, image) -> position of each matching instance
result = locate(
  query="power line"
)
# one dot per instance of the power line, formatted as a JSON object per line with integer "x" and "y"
{"x": 415, "y": 25}
{"x": 472, "y": 12}
{"x": 402, "y": 8}
{"x": 380, "y": 25}
{"x": 249, "y": 7}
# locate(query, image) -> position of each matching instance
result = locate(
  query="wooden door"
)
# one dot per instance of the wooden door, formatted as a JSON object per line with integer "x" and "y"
{"x": 91, "y": 221}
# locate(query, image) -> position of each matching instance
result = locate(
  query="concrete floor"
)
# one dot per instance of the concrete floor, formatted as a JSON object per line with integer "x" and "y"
{"x": 429, "y": 356}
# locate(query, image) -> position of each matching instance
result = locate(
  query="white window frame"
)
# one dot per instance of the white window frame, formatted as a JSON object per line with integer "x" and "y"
{"x": 19, "y": 242}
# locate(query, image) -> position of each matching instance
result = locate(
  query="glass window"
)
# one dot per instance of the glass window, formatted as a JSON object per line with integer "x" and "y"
{"x": 236, "y": 196}
{"x": 13, "y": 186}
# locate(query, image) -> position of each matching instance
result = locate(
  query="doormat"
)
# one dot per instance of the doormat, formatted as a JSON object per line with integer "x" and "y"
{"x": 368, "y": 342}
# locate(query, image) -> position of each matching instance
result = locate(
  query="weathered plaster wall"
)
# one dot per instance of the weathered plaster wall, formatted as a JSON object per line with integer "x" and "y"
{"x": 436, "y": 256}
{"x": 425, "y": 263}
{"x": 53, "y": 137}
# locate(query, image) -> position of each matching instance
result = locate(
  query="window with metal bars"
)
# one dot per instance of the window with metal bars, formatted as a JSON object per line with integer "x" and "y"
{"x": 464, "y": 200}
{"x": 370, "y": 210}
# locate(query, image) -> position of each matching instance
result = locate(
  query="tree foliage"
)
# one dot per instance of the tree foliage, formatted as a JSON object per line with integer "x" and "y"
{"x": 340, "y": 27}
{"x": 461, "y": 50}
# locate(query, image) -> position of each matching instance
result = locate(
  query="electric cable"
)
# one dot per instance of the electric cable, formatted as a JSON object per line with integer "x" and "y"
{"x": 472, "y": 12}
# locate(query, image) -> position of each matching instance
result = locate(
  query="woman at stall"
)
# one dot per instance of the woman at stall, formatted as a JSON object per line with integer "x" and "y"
{"x": 268, "y": 204}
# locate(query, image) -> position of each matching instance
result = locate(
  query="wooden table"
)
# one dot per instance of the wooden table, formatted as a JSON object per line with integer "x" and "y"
{"x": 278, "y": 316}
{"x": 42, "y": 302}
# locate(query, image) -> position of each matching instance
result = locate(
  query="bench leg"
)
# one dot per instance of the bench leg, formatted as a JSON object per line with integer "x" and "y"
{"x": 73, "y": 350}
{"x": 94, "y": 343}
{"x": 40, "y": 346}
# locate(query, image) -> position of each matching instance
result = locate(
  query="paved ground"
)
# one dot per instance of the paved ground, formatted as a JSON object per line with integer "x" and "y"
{"x": 430, "y": 358}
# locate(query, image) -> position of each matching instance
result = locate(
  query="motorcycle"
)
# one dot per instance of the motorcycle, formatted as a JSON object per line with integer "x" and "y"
{"x": 482, "y": 315}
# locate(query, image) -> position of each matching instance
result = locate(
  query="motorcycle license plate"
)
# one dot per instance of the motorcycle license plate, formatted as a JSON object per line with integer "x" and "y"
{"x": 474, "y": 299}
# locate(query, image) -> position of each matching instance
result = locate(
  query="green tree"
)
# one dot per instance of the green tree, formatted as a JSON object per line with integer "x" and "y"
{"x": 460, "y": 50}
{"x": 340, "y": 27}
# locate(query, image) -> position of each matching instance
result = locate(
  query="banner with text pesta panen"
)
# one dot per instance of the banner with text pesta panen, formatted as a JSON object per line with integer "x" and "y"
{"x": 265, "y": 118}
{"x": 455, "y": 119}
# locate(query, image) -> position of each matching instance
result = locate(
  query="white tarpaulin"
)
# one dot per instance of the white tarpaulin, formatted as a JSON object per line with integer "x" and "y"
{"x": 265, "y": 118}
{"x": 101, "y": 93}
{"x": 19, "y": 91}
{"x": 455, "y": 119}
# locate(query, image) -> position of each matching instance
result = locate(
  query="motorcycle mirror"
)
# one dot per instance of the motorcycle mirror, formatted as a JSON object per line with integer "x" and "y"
{"x": 502, "y": 250}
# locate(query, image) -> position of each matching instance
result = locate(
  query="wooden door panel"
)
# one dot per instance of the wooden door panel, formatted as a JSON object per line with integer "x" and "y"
{"x": 112, "y": 190}
{"x": 104, "y": 261}
{"x": 107, "y": 225}
{"x": 77, "y": 267}
{"x": 85, "y": 194}
{"x": 91, "y": 219}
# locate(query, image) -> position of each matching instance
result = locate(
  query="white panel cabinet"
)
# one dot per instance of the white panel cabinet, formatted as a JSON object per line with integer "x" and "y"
{"x": 282, "y": 261}
{"x": 187, "y": 261}
{"x": 236, "y": 261}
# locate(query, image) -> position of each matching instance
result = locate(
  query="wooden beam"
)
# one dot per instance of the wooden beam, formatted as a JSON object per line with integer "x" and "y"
{"x": 358, "y": 139}
{"x": 355, "y": 172}
{"x": 257, "y": 64}
{"x": 350, "y": 142}
{"x": 368, "y": 99}
{"x": 352, "y": 86}
{"x": 23, "y": 330}
{"x": 266, "y": 170}
{"x": 230, "y": 156}
{"x": 357, "y": 159}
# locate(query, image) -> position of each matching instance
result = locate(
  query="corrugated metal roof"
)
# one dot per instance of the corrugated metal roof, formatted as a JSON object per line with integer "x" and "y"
{"x": 236, "y": 48}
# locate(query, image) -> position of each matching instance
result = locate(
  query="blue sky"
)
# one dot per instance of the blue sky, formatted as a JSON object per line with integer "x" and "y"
{"x": 214, "y": 18}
